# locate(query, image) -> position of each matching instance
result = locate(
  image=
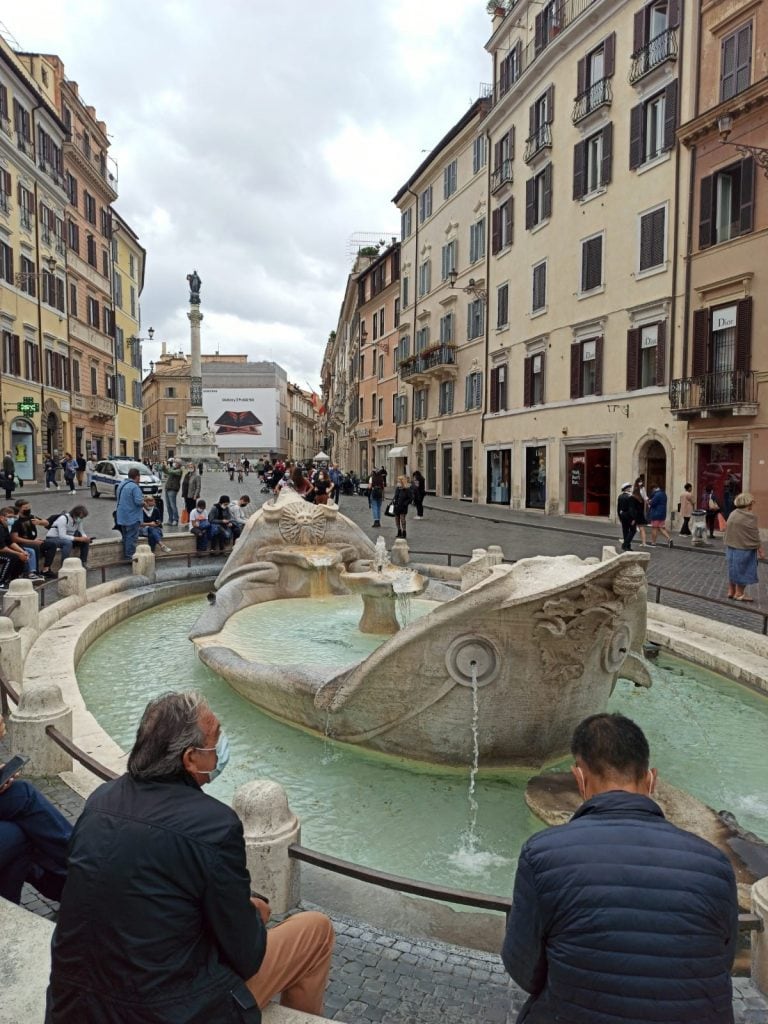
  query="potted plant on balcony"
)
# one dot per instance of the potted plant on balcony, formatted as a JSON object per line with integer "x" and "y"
{"x": 494, "y": 8}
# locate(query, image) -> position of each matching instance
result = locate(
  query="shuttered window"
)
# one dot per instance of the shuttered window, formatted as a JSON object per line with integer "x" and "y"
{"x": 652, "y": 232}
{"x": 502, "y": 305}
{"x": 652, "y": 126}
{"x": 533, "y": 380}
{"x": 473, "y": 390}
{"x": 477, "y": 241}
{"x": 446, "y": 398}
{"x": 592, "y": 263}
{"x": 539, "y": 298}
{"x": 501, "y": 227}
{"x": 538, "y": 198}
{"x": 587, "y": 368}
{"x": 736, "y": 62}
{"x": 499, "y": 388}
{"x": 646, "y": 356}
{"x": 726, "y": 203}
{"x": 475, "y": 319}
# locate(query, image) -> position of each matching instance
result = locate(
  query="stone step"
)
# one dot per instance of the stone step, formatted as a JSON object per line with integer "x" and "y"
{"x": 25, "y": 964}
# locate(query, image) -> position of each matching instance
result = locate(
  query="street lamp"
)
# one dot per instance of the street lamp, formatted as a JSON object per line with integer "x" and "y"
{"x": 758, "y": 153}
{"x": 24, "y": 277}
{"x": 473, "y": 288}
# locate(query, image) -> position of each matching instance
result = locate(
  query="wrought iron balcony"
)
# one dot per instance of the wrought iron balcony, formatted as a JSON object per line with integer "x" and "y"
{"x": 660, "y": 49}
{"x": 501, "y": 175}
{"x": 731, "y": 392}
{"x": 428, "y": 362}
{"x": 599, "y": 94}
{"x": 539, "y": 141}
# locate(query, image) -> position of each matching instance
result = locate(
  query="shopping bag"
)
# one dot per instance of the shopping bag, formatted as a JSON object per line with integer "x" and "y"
{"x": 720, "y": 521}
{"x": 184, "y": 517}
{"x": 390, "y": 509}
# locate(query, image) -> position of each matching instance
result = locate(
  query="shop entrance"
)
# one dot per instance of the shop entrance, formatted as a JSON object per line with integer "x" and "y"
{"x": 654, "y": 463}
{"x": 536, "y": 477}
{"x": 588, "y": 481}
{"x": 431, "y": 482}
{"x": 721, "y": 467}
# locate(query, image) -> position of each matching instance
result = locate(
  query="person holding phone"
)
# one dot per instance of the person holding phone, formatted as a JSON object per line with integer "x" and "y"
{"x": 33, "y": 839}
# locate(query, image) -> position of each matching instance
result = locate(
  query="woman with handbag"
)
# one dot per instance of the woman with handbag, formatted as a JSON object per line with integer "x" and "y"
{"x": 743, "y": 547}
{"x": 401, "y": 501}
{"x": 711, "y": 504}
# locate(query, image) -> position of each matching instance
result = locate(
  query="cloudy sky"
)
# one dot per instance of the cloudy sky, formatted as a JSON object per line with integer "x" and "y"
{"x": 255, "y": 138}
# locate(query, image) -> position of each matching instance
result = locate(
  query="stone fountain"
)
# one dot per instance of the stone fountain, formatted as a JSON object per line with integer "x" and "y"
{"x": 542, "y": 642}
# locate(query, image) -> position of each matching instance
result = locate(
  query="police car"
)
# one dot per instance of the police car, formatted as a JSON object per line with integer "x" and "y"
{"x": 108, "y": 475}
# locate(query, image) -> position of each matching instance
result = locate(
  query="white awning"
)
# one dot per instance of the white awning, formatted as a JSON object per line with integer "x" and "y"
{"x": 321, "y": 457}
{"x": 398, "y": 453}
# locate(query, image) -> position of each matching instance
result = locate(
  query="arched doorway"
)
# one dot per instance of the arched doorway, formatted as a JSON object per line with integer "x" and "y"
{"x": 653, "y": 462}
{"x": 52, "y": 433}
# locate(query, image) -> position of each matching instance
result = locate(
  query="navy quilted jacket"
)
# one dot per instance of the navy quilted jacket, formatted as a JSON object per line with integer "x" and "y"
{"x": 620, "y": 917}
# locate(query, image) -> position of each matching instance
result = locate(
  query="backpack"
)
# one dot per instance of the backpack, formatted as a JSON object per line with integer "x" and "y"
{"x": 52, "y": 519}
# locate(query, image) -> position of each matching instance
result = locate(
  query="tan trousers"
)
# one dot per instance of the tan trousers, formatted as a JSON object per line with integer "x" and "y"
{"x": 296, "y": 963}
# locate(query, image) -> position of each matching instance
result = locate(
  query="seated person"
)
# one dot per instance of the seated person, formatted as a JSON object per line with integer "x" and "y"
{"x": 14, "y": 560}
{"x": 152, "y": 527}
{"x": 40, "y": 549}
{"x": 240, "y": 512}
{"x": 157, "y": 920}
{"x": 199, "y": 525}
{"x": 66, "y": 532}
{"x": 33, "y": 841}
{"x": 222, "y": 524}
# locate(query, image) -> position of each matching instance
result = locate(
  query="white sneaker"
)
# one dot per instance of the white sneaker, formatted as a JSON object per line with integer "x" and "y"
{"x": 164, "y": 547}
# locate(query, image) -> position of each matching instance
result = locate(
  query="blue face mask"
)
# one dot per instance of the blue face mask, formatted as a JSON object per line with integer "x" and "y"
{"x": 222, "y": 757}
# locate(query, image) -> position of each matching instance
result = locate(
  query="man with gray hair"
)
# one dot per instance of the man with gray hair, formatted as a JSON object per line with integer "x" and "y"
{"x": 157, "y": 920}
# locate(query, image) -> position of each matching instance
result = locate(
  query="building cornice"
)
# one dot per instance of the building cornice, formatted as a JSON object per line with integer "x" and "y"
{"x": 706, "y": 124}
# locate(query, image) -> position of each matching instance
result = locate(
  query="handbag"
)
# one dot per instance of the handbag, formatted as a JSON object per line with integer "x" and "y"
{"x": 390, "y": 509}
{"x": 713, "y": 506}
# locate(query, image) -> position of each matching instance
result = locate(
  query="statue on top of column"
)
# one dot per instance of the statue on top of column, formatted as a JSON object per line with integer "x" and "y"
{"x": 194, "y": 287}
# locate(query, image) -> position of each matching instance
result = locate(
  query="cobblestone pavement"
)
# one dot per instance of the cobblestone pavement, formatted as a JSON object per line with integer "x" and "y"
{"x": 376, "y": 975}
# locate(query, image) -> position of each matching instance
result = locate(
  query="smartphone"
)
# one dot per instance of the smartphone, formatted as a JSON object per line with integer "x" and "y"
{"x": 11, "y": 768}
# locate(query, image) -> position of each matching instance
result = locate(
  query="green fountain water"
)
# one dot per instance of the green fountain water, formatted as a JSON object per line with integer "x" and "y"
{"x": 707, "y": 735}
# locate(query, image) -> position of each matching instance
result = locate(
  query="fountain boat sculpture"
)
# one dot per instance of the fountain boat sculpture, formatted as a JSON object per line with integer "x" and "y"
{"x": 543, "y": 641}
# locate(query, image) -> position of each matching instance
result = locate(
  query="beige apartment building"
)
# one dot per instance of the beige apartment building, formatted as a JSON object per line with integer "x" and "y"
{"x": 373, "y": 436}
{"x": 585, "y": 318}
{"x": 128, "y": 263}
{"x": 724, "y": 361}
{"x": 442, "y": 338}
{"x": 304, "y": 440}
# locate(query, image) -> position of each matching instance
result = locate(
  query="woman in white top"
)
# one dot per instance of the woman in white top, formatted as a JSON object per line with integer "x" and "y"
{"x": 66, "y": 532}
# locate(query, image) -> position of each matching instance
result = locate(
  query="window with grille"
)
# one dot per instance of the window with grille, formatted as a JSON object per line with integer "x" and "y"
{"x": 652, "y": 238}
{"x": 592, "y": 263}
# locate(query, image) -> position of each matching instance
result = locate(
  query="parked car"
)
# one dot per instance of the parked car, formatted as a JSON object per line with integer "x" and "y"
{"x": 109, "y": 474}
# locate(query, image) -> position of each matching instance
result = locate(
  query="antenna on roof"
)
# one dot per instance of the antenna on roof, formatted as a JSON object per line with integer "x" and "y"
{"x": 9, "y": 37}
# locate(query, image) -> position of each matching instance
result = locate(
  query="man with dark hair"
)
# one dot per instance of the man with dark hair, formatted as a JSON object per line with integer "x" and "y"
{"x": 620, "y": 917}
{"x": 157, "y": 921}
{"x": 129, "y": 511}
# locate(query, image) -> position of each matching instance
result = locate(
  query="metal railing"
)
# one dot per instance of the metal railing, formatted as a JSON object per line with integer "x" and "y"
{"x": 661, "y": 48}
{"x": 660, "y": 587}
{"x": 599, "y": 94}
{"x": 713, "y": 390}
{"x": 443, "y": 355}
{"x": 541, "y": 139}
{"x": 501, "y": 175}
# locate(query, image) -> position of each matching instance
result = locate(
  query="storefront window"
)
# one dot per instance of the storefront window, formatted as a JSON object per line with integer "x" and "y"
{"x": 721, "y": 467}
{"x": 536, "y": 477}
{"x": 466, "y": 469}
{"x": 499, "y": 474}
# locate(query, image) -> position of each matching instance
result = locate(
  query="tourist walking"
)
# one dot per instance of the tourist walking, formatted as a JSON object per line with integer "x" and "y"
{"x": 743, "y": 547}
{"x": 376, "y": 484}
{"x": 711, "y": 505}
{"x": 627, "y": 510}
{"x": 657, "y": 510}
{"x": 50, "y": 472}
{"x": 640, "y": 495}
{"x": 419, "y": 490}
{"x": 90, "y": 467}
{"x": 129, "y": 511}
{"x": 81, "y": 466}
{"x": 322, "y": 486}
{"x": 9, "y": 472}
{"x": 619, "y": 916}
{"x": 401, "y": 500}
{"x": 69, "y": 469}
{"x": 687, "y": 508}
{"x": 172, "y": 484}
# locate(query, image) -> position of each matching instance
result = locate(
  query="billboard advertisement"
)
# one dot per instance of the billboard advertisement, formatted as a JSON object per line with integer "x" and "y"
{"x": 242, "y": 419}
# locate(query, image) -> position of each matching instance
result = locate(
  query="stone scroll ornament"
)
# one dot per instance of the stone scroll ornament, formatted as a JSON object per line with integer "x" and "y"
{"x": 568, "y": 627}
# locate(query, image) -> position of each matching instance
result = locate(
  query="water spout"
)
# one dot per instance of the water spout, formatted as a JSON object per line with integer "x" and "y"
{"x": 472, "y": 837}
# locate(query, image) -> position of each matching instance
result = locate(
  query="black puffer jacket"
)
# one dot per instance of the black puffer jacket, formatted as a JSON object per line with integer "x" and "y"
{"x": 402, "y": 499}
{"x": 620, "y": 917}
{"x": 156, "y": 923}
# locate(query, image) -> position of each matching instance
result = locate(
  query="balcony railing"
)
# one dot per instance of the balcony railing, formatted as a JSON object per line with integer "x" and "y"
{"x": 661, "y": 48}
{"x": 565, "y": 13}
{"x": 104, "y": 164}
{"x": 501, "y": 175}
{"x": 726, "y": 390}
{"x": 429, "y": 359}
{"x": 541, "y": 139}
{"x": 599, "y": 94}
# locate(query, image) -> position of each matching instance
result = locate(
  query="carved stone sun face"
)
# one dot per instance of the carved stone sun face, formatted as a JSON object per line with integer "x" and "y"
{"x": 301, "y": 523}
